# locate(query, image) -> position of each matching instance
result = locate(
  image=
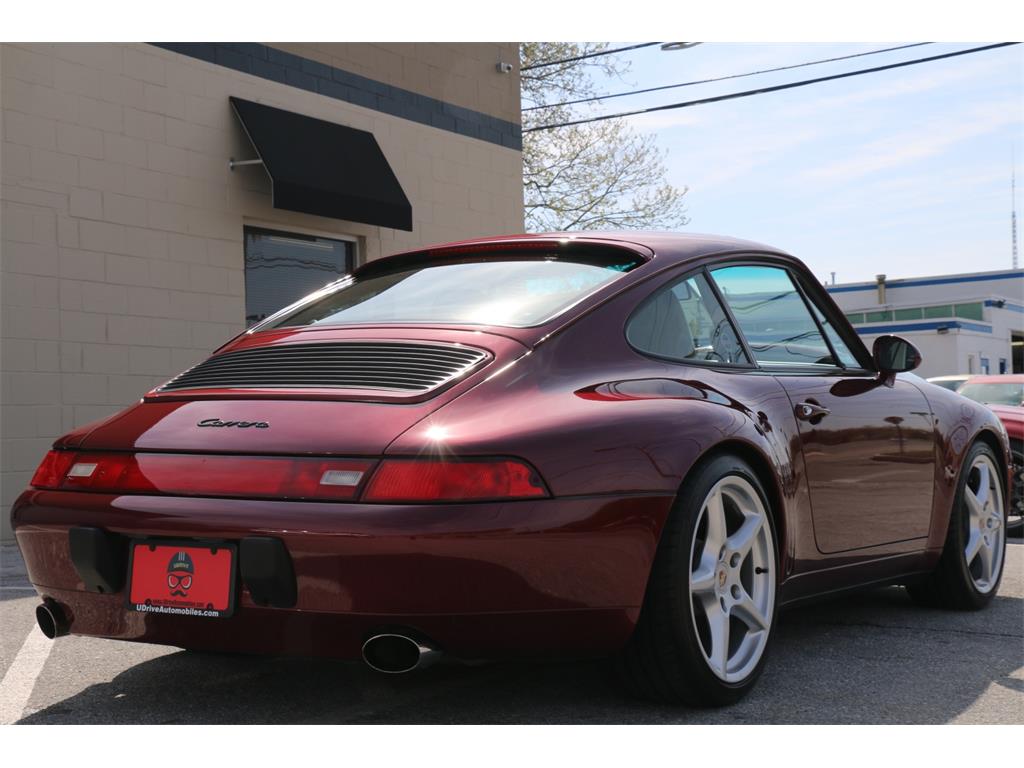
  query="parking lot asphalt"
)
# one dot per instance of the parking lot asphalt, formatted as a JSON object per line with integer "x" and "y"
{"x": 869, "y": 658}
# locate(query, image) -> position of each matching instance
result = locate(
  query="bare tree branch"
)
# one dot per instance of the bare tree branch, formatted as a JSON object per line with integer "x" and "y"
{"x": 601, "y": 175}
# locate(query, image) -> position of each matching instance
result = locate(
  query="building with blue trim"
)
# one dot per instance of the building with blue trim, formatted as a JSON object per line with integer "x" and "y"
{"x": 966, "y": 323}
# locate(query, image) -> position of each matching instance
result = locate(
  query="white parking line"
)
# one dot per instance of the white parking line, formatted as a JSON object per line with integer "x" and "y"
{"x": 17, "y": 685}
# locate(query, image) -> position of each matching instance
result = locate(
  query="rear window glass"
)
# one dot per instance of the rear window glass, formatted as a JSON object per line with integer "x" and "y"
{"x": 513, "y": 292}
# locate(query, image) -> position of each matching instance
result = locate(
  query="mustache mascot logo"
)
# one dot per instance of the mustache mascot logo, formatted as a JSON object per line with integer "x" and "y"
{"x": 180, "y": 571}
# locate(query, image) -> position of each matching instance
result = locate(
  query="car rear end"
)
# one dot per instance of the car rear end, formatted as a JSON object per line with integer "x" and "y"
{"x": 255, "y": 503}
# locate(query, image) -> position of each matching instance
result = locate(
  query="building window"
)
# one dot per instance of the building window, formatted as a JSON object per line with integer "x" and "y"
{"x": 855, "y": 317}
{"x": 282, "y": 267}
{"x": 879, "y": 317}
{"x": 970, "y": 311}
{"x": 1002, "y": 365}
{"x": 944, "y": 310}
{"x": 913, "y": 313}
{"x": 984, "y": 366}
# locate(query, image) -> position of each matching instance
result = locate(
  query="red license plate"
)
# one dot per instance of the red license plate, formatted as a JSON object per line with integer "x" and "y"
{"x": 183, "y": 579}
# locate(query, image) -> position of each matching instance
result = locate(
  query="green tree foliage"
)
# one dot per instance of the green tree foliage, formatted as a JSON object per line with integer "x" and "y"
{"x": 601, "y": 175}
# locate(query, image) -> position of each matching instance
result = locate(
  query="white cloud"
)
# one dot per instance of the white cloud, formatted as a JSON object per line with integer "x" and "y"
{"x": 752, "y": 150}
{"x": 922, "y": 141}
{"x": 663, "y": 121}
{"x": 937, "y": 189}
{"x": 900, "y": 84}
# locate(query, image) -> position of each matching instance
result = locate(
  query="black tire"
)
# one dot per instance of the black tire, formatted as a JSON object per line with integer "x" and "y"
{"x": 1015, "y": 510}
{"x": 951, "y": 585}
{"x": 664, "y": 660}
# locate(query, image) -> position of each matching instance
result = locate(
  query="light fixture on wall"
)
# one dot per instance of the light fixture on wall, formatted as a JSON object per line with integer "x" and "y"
{"x": 503, "y": 67}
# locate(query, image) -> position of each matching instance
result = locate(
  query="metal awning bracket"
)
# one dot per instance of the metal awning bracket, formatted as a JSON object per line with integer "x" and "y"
{"x": 232, "y": 163}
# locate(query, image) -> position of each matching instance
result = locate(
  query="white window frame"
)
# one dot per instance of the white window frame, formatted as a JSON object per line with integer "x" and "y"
{"x": 295, "y": 229}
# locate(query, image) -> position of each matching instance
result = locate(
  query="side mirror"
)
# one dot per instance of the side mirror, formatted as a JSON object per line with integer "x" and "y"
{"x": 894, "y": 355}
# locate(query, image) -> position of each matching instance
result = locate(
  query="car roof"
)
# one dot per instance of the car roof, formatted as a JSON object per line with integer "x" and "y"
{"x": 667, "y": 247}
{"x": 659, "y": 251}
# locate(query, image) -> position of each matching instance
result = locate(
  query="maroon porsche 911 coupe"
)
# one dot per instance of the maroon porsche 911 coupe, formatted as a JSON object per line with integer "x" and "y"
{"x": 623, "y": 444}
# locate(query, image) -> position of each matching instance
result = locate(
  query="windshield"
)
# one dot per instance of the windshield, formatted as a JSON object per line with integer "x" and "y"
{"x": 951, "y": 384}
{"x": 515, "y": 292}
{"x": 1008, "y": 393}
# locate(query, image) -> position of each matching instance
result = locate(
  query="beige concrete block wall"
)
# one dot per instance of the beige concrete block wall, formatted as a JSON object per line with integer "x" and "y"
{"x": 459, "y": 73}
{"x": 121, "y": 226}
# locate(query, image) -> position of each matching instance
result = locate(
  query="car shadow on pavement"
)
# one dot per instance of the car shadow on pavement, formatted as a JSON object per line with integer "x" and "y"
{"x": 869, "y": 658}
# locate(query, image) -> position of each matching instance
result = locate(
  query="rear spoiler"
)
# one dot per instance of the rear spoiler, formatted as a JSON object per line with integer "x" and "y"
{"x": 565, "y": 248}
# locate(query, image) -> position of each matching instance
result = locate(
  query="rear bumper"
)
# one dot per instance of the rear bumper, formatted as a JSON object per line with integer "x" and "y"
{"x": 479, "y": 580}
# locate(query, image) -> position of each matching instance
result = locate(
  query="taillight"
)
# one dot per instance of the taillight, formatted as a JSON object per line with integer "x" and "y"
{"x": 283, "y": 477}
{"x": 52, "y": 469}
{"x": 420, "y": 480}
{"x": 203, "y": 475}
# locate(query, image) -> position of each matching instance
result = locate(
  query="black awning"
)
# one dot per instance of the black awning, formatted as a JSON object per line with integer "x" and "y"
{"x": 324, "y": 168}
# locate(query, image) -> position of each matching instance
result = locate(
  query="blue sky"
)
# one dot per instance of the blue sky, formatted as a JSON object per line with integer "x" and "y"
{"x": 905, "y": 172}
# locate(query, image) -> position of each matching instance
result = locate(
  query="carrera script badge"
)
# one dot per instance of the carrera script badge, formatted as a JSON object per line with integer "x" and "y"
{"x": 241, "y": 424}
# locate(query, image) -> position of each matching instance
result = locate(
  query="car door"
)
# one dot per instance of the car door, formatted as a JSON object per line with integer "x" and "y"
{"x": 868, "y": 447}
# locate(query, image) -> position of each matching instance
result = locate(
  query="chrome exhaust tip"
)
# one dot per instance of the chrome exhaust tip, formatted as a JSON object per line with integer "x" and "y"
{"x": 395, "y": 654}
{"x": 51, "y": 620}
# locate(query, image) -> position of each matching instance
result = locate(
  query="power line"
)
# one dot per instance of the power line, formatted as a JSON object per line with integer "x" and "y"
{"x": 770, "y": 89}
{"x": 724, "y": 77}
{"x": 606, "y": 52}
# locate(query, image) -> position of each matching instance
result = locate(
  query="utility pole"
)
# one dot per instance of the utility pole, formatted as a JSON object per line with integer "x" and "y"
{"x": 1013, "y": 212}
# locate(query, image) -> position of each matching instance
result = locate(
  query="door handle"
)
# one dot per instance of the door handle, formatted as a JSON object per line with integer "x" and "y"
{"x": 811, "y": 411}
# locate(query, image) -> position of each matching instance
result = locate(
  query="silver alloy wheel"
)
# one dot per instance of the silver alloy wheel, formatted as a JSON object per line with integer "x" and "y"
{"x": 986, "y": 529}
{"x": 732, "y": 578}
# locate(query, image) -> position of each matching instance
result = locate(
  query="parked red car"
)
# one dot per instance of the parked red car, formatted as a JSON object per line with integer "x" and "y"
{"x": 1004, "y": 395}
{"x": 631, "y": 444}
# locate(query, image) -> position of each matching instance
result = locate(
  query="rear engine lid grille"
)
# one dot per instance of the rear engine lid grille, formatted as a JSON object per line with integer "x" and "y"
{"x": 405, "y": 367}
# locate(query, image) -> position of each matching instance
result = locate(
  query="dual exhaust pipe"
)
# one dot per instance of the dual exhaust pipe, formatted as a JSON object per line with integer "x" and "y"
{"x": 390, "y": 653}
{"x": 395, "y": 654}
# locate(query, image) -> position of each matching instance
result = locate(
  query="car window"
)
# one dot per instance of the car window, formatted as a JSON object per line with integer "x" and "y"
{"x": 515, "y": 292}
{"x": 684, "y": 321}
{"x": 994, "y": 393}
{"x": 773, "y": 316}
{"x": 846, "y": 357}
